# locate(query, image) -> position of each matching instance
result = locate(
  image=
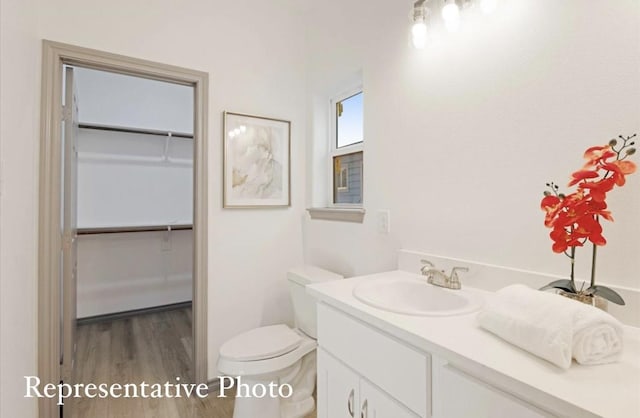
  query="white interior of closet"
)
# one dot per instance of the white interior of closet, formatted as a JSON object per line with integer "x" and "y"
{"x": 135, "y": 171}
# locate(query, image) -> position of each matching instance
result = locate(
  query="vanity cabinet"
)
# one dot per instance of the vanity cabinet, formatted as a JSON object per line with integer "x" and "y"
{"x": 385, "y": 375}
{"x": 345, "y": 394}
{"x": 457, "y": 394}
{"x": 366, "y": 373}
{"x": 338, "y": 388}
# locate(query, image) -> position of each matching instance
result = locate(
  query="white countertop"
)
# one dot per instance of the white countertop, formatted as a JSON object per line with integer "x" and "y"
{"x": 611, "y": 390}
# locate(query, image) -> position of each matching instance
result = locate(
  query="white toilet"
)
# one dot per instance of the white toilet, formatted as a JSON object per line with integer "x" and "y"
{"x": 278, "y": 354}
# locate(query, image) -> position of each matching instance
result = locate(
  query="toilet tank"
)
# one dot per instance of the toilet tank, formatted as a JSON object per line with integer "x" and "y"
{"x": 304, "y": 305}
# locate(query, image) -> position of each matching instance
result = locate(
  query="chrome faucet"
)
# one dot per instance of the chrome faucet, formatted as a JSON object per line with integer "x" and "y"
{"x": 439, "y": 278}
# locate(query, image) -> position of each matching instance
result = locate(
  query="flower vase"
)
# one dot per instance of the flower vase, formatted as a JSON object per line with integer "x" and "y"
{"x": 593, "y": 300}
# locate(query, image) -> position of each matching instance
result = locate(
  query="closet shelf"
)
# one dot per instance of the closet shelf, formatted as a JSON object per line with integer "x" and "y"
{"x": 129, "y": 229}
{"x": 120, "y": 158}
{"x": 129, "y": 130}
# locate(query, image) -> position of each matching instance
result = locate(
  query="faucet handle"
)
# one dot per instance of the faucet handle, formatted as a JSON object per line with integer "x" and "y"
{"x": 453, "y": 277}
{"x": 426, "y": 265}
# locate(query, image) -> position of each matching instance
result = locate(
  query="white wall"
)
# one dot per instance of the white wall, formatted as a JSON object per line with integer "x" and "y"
{"x": 126, "y": 179}
{"x": 254, "y": 53}
{"x": 460, "y": 138}
{"x": 121, "y": 100}
{"x": 121, "y": 272}
{"x": 19, "y": 102}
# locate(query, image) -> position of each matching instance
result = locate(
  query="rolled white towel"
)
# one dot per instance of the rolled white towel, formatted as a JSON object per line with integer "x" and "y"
{"x": 597, "y": 338}
{"x": 537, "y": 322}
{"x": 552, "y": 327}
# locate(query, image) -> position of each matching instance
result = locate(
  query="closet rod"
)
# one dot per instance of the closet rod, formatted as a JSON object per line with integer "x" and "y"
{"x": 134, "y": 130}
{"x": 126, "y": 229}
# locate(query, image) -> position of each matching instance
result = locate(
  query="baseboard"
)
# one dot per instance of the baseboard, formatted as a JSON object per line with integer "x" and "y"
{"x": 134, "y": 312}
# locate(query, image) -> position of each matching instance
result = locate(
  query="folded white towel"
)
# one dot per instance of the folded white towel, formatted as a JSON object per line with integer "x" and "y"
{"x": 552, "y": 327}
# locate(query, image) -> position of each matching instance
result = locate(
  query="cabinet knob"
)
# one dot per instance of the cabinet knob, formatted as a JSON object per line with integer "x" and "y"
{"x": 350, "y": 402}
{"x": 364, "y": 410}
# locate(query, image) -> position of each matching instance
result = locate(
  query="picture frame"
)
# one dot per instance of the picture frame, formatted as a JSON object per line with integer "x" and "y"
{"x": 256, "y": 161}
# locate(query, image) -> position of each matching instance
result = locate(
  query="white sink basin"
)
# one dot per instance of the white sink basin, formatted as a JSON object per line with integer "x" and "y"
{"x": 416, "y": 297}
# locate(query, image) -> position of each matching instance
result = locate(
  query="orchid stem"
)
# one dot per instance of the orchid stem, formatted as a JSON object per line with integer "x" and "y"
{"x": 573, "y": 259}
{"x": 593, "y": 265}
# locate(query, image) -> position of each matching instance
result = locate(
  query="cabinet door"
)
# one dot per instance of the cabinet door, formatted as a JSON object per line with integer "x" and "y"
{"x": 458, "y": 395}
{"x": 376, "y": 404}
{"x": 368, "y": 351}
{"x": 337, "y": 388}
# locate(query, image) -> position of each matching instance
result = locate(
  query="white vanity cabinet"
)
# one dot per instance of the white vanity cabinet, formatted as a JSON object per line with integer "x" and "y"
{"x": 457, "y": 394}
{"x": 363, "y": 373}
{"x": 342, "y": 393}
{"x": 338, "y": 388}
{"x": 366, "y": 373}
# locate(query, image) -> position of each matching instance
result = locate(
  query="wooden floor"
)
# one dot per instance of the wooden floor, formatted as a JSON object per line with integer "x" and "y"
{"x": 154, "y": 348}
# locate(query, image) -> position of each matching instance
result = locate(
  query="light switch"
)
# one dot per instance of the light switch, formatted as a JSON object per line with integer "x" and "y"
{"x": 384, "y": 226}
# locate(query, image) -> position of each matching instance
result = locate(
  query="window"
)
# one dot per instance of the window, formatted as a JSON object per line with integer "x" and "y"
{"x": 347, "y": 149}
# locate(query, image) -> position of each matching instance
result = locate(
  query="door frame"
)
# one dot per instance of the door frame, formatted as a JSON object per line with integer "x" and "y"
{"x": 55, "y": 55}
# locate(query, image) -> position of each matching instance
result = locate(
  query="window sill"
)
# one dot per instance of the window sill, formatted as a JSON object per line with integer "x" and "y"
{"x": 338, "y": 214}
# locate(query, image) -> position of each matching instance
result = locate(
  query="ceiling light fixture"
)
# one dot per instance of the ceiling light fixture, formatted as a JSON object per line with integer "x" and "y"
{"x": 419, "y": 31}
{"x": 452, "y": 13}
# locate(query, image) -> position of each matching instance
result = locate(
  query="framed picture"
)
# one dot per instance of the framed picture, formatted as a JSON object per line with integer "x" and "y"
{"x": 257, "y": 166}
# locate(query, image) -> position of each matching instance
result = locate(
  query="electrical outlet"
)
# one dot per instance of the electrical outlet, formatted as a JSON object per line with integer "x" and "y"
{"x": 384, "y": 226}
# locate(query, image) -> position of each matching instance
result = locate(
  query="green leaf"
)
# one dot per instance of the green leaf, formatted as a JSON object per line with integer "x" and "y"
{"x": 605, "y": 292}
{"x": 564, "y": 284}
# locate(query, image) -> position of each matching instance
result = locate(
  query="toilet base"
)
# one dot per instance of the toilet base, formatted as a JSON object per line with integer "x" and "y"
{"x": 248, "y": 407}
{"x": 301, "y": 377}
{"x": 299, "y": 409}
{"x": 271, "y": 407}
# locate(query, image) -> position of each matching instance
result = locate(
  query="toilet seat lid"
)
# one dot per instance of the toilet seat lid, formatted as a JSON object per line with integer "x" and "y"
{"x": 261, "y": 343}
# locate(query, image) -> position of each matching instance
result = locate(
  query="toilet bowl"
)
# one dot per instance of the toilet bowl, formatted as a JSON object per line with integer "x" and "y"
{"x": 277, "y": 356}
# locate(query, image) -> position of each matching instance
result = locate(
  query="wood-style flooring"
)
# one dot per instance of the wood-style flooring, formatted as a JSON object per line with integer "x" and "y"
{"x": 154, "y": 348}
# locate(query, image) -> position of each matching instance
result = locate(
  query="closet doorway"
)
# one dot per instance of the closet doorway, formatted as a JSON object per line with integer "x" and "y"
{"x": 122, "y": 220}
{"x": 134, "y": 204}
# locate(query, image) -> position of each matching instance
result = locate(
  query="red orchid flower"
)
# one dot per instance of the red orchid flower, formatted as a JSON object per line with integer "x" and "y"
{"x": 552, "y": 205}
{"x": 575, "y": 218}
{"x": 596, "y": 155}
{"x": 563, "y": 239}
{"x": 598, "y": 189}
{"x": 578, "y": 176}
{"x": 589, "y": 227}
{"x": 620, "y": 169}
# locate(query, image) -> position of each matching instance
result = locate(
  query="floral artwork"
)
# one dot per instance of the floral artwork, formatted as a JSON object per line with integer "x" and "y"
{"x": 256, "y": 161}
{"x": 575, "y": 218}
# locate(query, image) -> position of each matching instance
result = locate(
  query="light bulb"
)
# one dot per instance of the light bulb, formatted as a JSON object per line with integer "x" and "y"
{"x": 451, "y": 11}
{"x": 419, "y": 34}
{"x": 488, "y": 6}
